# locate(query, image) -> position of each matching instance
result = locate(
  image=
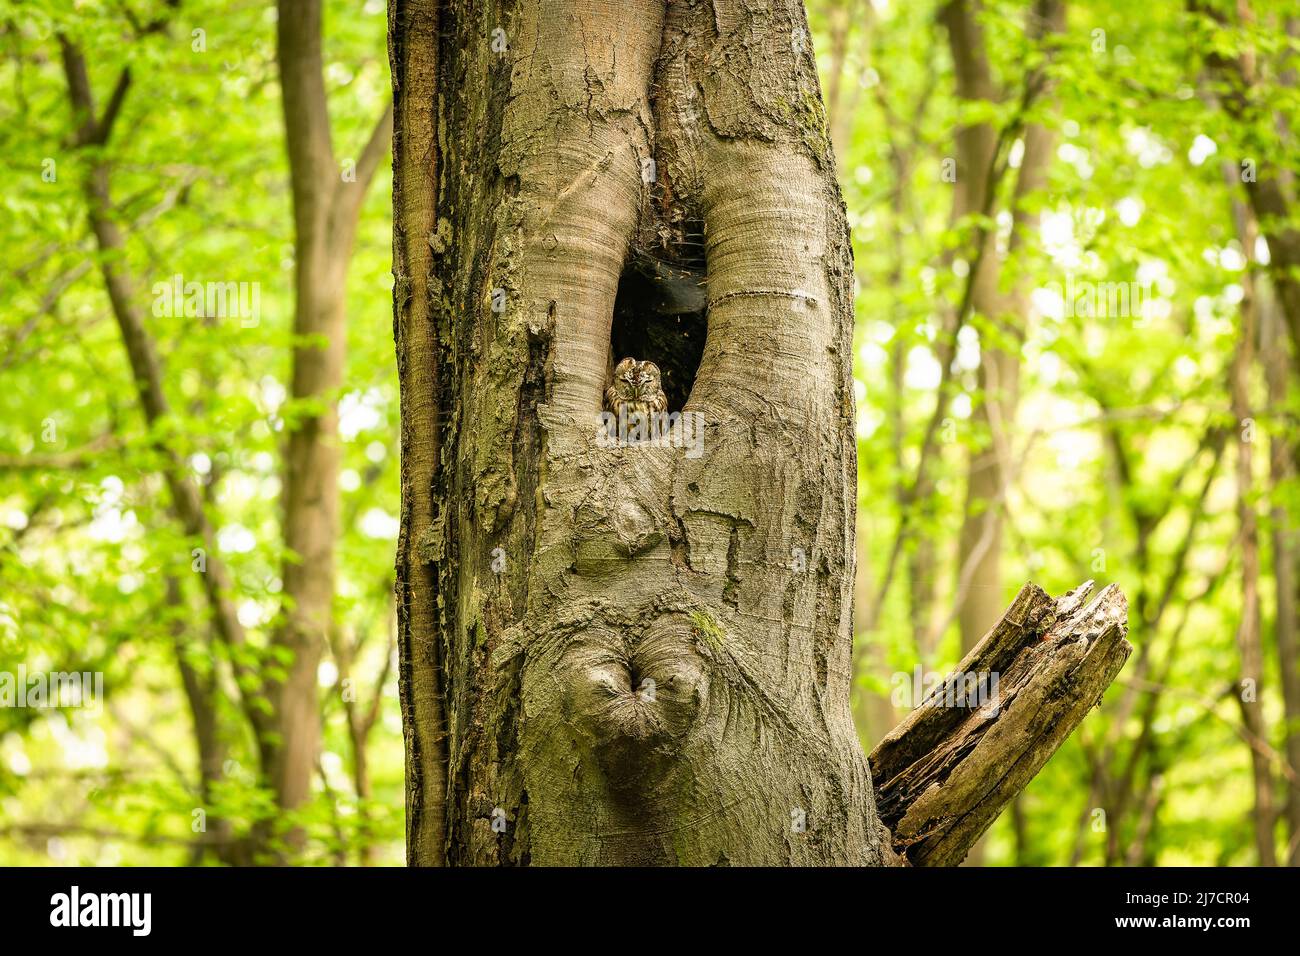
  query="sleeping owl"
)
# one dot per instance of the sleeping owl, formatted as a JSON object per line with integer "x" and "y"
{"x": 636, "y": 387}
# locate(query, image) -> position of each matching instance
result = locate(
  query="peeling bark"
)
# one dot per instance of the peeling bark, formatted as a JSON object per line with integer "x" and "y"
{"x": 414, "y": 60}
{"x": 946, "y": 772}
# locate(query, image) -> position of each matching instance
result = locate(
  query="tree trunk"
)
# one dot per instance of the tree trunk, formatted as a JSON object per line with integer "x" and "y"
{"x": 1283, "y": 541}
{"x": 980, "y": 548}
{"x": 622, "y": 565}
{"x": 980, "y": 544}
{"x": 979, "y": 553}
{"x": 326, "y": 204}
{"x": 874, "y": 714}
{"x": 1249, "y": 638}
{"x": 94, "y": 130}
{"x": 632, "y": 654}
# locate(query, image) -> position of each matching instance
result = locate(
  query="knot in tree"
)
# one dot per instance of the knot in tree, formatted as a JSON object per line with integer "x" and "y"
{"x": 651, "y": 677}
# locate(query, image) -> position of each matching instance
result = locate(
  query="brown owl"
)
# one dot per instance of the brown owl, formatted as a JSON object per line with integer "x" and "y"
{"x": 637, "y": 388}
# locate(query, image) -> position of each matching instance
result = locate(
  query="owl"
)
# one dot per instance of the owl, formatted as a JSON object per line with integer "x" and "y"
{"x": 637, "y": 388}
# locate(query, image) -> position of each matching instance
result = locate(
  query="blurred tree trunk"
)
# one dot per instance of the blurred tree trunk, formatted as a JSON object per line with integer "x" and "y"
{"x": 360, "y": 716}
{"x": 979, "y": 555}
{"x": 979, "y": 551}
{"x": 1283, "y": 541}
{"x": 326, "y": 202}
{"x": 203, "y": 696}
{"x": 94, "y": 130}
{"x": 311, "y": 464}
{"x": 874, "y": 715}
{"x": 326, "y": 207}
{"x": 1248, "y": 629}
{"x": 1268, "y": 186}
{"x": 874, "y": 711}
{"x": 844, "y": 15}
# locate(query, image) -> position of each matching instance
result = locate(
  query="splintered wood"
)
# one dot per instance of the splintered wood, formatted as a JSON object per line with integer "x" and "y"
{"x": 947, "y": 770}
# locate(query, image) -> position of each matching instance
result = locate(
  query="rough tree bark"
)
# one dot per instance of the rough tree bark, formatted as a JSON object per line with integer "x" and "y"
{"x": 622, "y": 655}
{"x": 944, "y": 773}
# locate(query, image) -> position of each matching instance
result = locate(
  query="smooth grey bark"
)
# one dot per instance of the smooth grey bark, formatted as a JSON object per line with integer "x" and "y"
{"x": 620, "y": 564}
{"x": 544, "y": 579}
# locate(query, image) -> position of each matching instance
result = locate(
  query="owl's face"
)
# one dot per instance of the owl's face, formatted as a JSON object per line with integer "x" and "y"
{"x": 625, "y": 378}
{"x": 647, "y": 380}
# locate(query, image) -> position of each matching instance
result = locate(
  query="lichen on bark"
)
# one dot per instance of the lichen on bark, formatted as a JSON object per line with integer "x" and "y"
{"x": 642, "y": 656}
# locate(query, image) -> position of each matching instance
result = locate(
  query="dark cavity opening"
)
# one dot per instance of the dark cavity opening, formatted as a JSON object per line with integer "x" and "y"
{"x": 659, "y": 316}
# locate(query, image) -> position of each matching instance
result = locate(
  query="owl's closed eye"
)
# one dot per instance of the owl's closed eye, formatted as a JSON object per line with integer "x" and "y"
{"x": 623, "y": 389}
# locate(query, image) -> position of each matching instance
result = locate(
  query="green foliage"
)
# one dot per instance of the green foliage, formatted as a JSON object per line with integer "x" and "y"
{"x": 1140, "y": 189}
{"x": 88, "y": 548}
{"x": 1111, "y": 434}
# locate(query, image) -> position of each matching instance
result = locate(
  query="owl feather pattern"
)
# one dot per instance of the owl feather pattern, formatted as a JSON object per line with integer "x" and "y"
{"x": 636, "y": 387}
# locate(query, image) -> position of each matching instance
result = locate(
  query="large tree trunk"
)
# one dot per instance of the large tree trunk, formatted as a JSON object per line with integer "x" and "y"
{"x": 619, "y": 565}
{"x": 619, "y": 655}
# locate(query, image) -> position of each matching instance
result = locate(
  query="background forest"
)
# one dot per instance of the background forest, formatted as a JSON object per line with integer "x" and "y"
{"x": 1078, "y": 304}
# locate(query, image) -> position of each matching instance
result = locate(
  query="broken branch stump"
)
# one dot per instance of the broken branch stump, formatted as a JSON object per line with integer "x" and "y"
{"x": 945, "y": 772}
